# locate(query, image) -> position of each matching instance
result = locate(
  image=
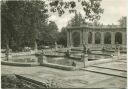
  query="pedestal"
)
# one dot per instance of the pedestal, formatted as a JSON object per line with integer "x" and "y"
{"x": 85, "y": 59}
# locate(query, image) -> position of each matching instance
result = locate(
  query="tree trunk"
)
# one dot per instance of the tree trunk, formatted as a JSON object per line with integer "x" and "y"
{"x": 7, "y": 52}
{"x": 35, "y": 46}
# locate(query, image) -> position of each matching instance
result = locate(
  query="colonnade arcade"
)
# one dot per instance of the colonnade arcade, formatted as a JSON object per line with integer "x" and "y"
{"x": 96, "y": 36}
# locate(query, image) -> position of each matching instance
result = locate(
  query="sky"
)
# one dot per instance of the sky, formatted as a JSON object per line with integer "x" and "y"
{"x": 113, "y": 11}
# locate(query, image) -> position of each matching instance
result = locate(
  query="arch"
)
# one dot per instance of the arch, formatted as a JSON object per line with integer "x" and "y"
{"x": 107, "y": 38}
{"x": 90, "y": 37}
{"x": 118, "y": 37}
{"x": 97, "y": 38}
{"x": 76, "y": 38}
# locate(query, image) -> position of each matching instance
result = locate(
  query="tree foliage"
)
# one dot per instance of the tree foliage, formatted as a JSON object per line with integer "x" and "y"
{"x": 48, "y": 34}
{"x": 22, "y": 23}
{"x": 92, "y": 8}
{"x": 25, "y": 23}
{"x": 123, "y": 21}
{"x": 77, "y": 20}
{"x": 62, "y": 38}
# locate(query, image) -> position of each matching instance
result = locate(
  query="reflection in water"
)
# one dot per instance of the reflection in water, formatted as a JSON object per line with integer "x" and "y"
{"x": 60, "y": 60}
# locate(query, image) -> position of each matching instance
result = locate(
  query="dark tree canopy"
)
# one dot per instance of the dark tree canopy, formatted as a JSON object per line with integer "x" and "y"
{"x": 62, "y": 38}
{"x": 22, "y": 22}
{"x": 25, "y": 23}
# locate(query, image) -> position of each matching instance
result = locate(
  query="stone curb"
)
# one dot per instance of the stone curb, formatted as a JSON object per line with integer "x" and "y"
{"x": 18, "y": 64}
{"x": 38, "y": 83}
{"x": 54, "y": 55}
{"x": 90, "y": 63}
{"x": 57, "y": 66}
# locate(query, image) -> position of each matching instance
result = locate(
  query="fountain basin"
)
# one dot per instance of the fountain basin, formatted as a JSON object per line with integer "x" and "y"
{"x": 63, "y": 67}
{"x": 19, "y": 64}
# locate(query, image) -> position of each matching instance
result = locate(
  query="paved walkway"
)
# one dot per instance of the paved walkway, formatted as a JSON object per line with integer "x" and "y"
{"x": 76, "y": 79}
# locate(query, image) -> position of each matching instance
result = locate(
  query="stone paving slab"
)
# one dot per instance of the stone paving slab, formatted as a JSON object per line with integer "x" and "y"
{"x": 86, "y": 79}
{"x": 111, "y": 83}
{"x": 70, "y": 78}
{"x": 70, "y": 81}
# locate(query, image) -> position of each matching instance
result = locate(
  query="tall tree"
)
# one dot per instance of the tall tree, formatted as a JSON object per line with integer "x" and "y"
{"x": 123, "y": 21}
{"x": 48, "y": 34}
{"x": 23, "y": 21}
{"x": 77, "y": 20}
{"x": 62, "y": 38}
{"x": 53, "y": 31}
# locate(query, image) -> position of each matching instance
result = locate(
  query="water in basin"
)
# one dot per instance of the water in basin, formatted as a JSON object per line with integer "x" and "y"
{"x": 61, "y": 60}
{"x": 55, "y": 60}
{"x": 23, "y": 59}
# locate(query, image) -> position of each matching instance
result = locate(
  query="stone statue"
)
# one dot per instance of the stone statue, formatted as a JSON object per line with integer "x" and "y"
{"x": 56, "y": 46}
{"x": 103, "y": 49}
{"x": 88, "y": 51}
{"x": 84, "y": 56}
{"x": 74, "y": 63}
{"x": 67, "y": 53}
{"x": 42, "y": 58}
{"x": 84, "y": 49}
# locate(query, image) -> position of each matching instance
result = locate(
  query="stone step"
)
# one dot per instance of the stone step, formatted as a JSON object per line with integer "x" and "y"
{"x": 117, "y": 65}
{"x": 111, "y": 68}
{"x": 107, "y": 71}
{"x": 43, "y": 81}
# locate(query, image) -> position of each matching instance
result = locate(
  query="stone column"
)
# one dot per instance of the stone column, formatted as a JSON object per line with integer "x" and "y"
{"x": 124, "y": 36}
{"x": 113, "y": 38}
{"x": 124, "y": 40}
{"x": 70, "y": 36}
{"x": 81, "y": 37}
{"x": 93, "y": 38}
{"x": 102, "y": 38}
{"x": 68, "y": 39}
{"x": 85, "y": 36}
